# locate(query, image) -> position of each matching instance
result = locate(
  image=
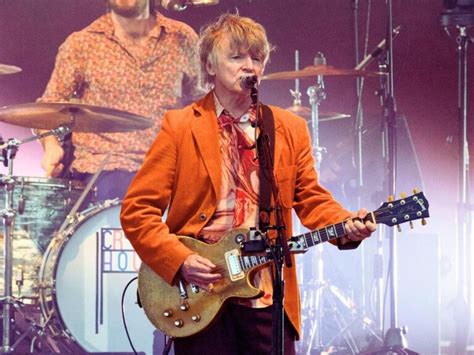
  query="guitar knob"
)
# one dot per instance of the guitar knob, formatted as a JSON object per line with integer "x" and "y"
{"x": 168, "y": 313}
{"x": 178, "y": 323}
{"x": 196, "y": 318}
{"x": 184, "y": 307}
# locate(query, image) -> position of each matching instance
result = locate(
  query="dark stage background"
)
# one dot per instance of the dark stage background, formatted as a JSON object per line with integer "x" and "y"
{"x": 425, "y": 65}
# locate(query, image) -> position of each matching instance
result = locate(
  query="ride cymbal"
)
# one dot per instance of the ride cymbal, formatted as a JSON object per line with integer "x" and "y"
{"x": 78, "y": 117}
{"x": 320, "y": 69}
{"x": 9, "y": 69}
{"x": 305, "y": 112}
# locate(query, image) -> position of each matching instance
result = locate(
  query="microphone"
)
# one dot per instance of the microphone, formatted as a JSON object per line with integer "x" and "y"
{"x": 248, "y": 81}
{"x": 376, "y": 52}
{"x": 180, "y": 5}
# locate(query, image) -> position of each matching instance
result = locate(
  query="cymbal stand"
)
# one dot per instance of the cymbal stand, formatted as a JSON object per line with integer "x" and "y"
{"x": 316, "y": 95}
{"x": 296, "y": 93}
{"x": 8, "y": 215}
{"x": 463, "y": 20}
{"x": 463, "y": 306}
{"x": 322, "y": 292}
{"x": 9, "y": 150}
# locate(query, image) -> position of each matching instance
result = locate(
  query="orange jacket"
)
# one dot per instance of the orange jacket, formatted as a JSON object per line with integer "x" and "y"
{"x": 182, "y": 171}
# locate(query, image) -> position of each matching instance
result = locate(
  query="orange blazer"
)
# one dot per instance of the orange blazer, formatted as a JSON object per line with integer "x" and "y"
{"x": 182, "y": 174}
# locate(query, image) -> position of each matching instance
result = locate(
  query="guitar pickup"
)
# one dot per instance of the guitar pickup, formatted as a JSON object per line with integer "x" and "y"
{"x": 232, "y": 259}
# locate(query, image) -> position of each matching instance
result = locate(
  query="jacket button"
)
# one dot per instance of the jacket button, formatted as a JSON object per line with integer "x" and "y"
{"x": 202, "y": 216}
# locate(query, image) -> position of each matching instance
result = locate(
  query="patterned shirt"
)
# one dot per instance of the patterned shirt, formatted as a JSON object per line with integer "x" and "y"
{"x": 110, "y": 74}
{"x": 237, "y": 205}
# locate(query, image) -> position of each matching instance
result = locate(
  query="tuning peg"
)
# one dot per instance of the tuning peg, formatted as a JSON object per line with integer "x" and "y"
{"x": 399, "y": 229}
{"x": 391, "y": 198}
{"x": 411, "y": 224}
{"x": 415, "y": 191}
{"x": 403, "y": 195}
{"x": 423, "y": 222}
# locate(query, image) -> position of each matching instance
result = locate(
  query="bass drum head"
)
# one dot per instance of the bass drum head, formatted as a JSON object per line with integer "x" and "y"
{"x": 93, "y": 269}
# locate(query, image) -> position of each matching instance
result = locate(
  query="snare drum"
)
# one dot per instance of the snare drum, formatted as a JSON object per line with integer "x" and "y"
{"x": 41, "y": 205}
{"x": 82, "y": 278}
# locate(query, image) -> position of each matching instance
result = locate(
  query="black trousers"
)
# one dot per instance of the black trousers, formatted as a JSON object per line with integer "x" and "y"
{"x": 239, "y": 330}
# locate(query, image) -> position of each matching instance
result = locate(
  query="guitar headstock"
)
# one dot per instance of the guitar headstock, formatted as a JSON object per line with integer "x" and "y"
{"x": 406, "y": 209}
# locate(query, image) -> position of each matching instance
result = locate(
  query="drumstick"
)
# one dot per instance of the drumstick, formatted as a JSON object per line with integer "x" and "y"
{"x": 69, "y": 218}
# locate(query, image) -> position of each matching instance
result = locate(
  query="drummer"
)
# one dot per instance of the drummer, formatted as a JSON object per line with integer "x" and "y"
{"x": 131, "y": 59}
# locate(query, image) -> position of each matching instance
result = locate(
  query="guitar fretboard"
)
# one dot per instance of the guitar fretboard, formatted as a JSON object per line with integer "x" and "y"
{"x": 309, "y": 239}
{"x": 324, "y": 234}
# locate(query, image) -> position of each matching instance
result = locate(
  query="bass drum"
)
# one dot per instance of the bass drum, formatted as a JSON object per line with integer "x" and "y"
{"x": 82, "y": 277}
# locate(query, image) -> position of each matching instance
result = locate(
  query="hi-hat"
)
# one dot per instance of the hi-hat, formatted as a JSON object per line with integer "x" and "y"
{"x": 78, "y": 117}
{"x": 323, "y": 116}
{"x": 320, "y": 69}
{"x": 9, "y": 69}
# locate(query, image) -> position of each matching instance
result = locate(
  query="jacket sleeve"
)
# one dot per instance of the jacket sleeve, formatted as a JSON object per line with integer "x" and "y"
{"x": 145, "y": 204}
{"x": 314, "y": 205}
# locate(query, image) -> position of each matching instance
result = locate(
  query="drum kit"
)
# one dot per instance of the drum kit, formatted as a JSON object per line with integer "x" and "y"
{"x": 36, "y": 254}
{"x": 50, "y": 265}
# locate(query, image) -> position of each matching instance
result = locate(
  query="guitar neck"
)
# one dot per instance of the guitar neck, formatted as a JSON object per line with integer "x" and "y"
{"x": 302, "y": 242}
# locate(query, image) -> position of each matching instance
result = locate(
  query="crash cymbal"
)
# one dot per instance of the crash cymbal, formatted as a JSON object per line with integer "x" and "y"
{"x": 305, "y": 112}
{"x": 79, "y": 117}
{"x": 320, "y": 69}
{"x": 9, "y": 69}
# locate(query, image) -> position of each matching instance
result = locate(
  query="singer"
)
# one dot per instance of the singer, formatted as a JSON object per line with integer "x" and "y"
{"x": 202, "y": 169}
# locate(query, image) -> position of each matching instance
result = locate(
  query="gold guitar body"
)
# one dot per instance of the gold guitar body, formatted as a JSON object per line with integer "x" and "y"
{"x": 181, "y": 317}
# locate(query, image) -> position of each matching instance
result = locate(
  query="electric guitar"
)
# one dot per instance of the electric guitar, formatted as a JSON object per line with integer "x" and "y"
{"x": 183, "y": 309}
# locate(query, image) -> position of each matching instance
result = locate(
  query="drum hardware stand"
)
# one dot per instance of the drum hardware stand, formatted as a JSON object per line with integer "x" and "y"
{"x": 9, "y": 150}
{"x": 394, "y": 339}
{"x": 323, "y": 291}
{"x": 330, "y": 295}
{"x": 462, "y": 19}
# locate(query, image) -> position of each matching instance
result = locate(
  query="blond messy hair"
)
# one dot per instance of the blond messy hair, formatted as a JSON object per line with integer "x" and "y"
{"x": 245, "y": 35}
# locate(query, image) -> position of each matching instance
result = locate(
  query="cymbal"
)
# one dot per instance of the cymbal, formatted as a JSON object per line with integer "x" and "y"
{"x": 320, "y": 69}
{"x": 9, "y": 69}
{"x": 322, "y": 117}
{"x": 79, "y": 117}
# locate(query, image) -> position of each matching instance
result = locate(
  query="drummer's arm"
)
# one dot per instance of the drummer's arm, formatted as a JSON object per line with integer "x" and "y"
{"x": 53, "y": 154}
{"x": 60, "y": 88}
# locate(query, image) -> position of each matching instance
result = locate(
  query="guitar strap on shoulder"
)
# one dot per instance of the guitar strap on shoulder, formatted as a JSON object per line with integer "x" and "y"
{"x": 266, "y": 167}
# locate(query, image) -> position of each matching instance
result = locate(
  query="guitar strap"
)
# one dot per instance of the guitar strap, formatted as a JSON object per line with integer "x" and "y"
{"x": 266, "y": 168}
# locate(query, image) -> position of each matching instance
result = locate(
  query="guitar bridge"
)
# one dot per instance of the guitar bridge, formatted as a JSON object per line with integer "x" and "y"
{"x": 233, "y": 265}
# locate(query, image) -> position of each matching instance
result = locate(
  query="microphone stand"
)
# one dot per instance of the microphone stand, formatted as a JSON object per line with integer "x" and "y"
{"x": 279, "y": 251}
{"x": 394, "y": 339}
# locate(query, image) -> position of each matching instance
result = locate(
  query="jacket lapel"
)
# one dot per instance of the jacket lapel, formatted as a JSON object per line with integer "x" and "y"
{"x": 206, "y": 134}
{"x": 278, "y": 140}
